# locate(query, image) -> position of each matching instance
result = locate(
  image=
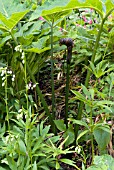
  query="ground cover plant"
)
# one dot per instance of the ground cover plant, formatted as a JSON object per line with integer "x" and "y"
{"x": 56, "y": 84}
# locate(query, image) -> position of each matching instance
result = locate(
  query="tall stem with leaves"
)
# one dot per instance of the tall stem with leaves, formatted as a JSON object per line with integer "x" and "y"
{"x": 6, "y": 101}
{"x": 81, "y": 105}
{"x": 52, "y": 74}
{"x": 37, "y": 88}
{"x": 28, "y": 118}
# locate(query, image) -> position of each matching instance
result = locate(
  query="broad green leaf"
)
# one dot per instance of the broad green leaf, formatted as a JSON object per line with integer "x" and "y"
{"x": 45, "y": 131}
{"x": 1, "y": 168}
{"x": 79, "y": 96}
{"x": 85, "y": 90}
{"x": 22, "y": 147}
{"x": 50, "y": 8}
{"x": 20, "y": 123}
{"x": 60, "y": 125}
{"x": 12, "y": 164}
{"x": 102, "y": 138}
{"x": 79, "y": 122}
{"x": 92, "y": 91}
{"x": 71, "y": 136}
{"x": 13, "y": 20}
{"x": 104, "y": 162}
{"x": 7, "y": 8}
{"x": 38, "y": 145}
{"x": 36, "y": 50}
{"x": 57, "y": 165}
{"x": 82, "y": 134}
{"x": 34, "y": 166}
{"x": 18, "y": 131}
{"x": 92, "y": 67}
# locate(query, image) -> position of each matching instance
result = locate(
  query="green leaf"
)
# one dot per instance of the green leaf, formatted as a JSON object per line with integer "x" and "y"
{"x": 80, "y": 97}
{"x": 2, "y": 168}
{"x": 104, "y": 162}
{"x": 50, "y": 9}
{"x": 79, "y": 122}
{"x": 85, "y": 90}
{"x": 102, "y": 138}
{"x": 36, "y": 50}
{"x": 38, "y": 145}
{"x": 12, "y": 164}
{"x": 22, "y": 147}
{"x": 82, "y": 134}
{"x": 13, "y": 20}
{"x": 34, "y": 166}
{"x": 92, "y": 91}
{"x": 18, "y": 131}
{"x": 8, "y": 7}
{"x": 69, "y": 162}
{"x": 60, "y": 125}
{"x": 71, "y": 136}
{"x": 57, "y": 165}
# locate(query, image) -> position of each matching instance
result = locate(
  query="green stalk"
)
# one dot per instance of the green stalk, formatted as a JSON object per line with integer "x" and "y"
{"x": 92, "y": 137}
{"x": 52, "y": 76}
{"x": 92, "y": 147}
{"x": 67, "y": 94}
{"x": 27, "y": 131}
{"x": 81, "y": 105}
{"x": 6, "y": 102}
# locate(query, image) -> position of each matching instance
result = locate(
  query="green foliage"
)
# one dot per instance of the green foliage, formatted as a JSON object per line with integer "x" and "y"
{"x": 102, "y": 162}
{"x": 26, "y": 139}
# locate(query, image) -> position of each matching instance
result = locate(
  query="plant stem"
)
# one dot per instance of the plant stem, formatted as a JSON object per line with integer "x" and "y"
{"x": 92, "y": 147}
{"x": 6, "y": 102}
{"x": 52, "y": 75}
{"x": 81, "y": 105}
{"x": 67, "y": 94}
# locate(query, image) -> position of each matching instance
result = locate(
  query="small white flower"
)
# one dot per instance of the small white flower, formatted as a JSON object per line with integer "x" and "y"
{"x": 13, "y": 78}
{"x": 17, "y": 48}
{"x": 20, "y": 50}
{"x": 13, "y": 75}
{"x": 3, "y": 72}
{"x": 3, "y": 78}
{"x": 34, "y": 85}
{"x": 78, "y": 149}
{"x": 9, "y": 72}
{"x": 29, "y": 84}
{"x": 23, "y": 61}
{"x": 20, "y": 110}
{"x": 23, "y": 55}
{"x": 19, "y": 116}
{"x": 3, "y": 84}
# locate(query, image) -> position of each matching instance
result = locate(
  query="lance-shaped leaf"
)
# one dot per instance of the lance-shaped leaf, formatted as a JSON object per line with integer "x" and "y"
{"x": 13, "y": 20}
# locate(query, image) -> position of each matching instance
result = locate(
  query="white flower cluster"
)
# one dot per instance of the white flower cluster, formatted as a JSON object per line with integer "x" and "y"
{"x": 5, "y": 73}
{"x": 20, "y": 114}
{"x": 78, "y": 149}
{"x": 19, "y": 48}
{"x": 31, "y": 86}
